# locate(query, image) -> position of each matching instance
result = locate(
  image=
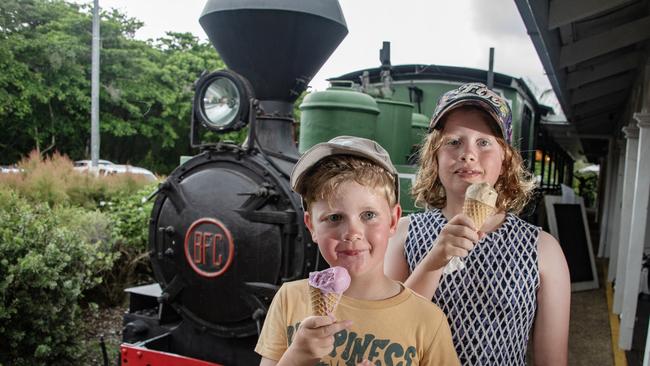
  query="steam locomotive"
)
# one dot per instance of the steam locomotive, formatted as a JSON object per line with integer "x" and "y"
{"x": 226, "y": 230}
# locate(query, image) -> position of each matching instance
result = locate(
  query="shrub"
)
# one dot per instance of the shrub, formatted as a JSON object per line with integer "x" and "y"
{"x": 129, "y": 218}
{"x": 48, "y": 258}
{"x": 67, "y": 239}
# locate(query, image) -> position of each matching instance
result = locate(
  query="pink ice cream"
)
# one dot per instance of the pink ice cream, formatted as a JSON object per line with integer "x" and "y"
{"x": 331, "y": 280}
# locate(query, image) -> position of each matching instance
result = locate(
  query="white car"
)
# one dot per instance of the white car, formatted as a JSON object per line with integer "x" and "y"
{"x": 106, "y": 167}
{"x": 87, "y": 163}
{"x": 10, "y": 169}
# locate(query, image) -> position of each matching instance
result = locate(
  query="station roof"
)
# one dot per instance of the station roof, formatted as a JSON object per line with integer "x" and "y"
{"x": 593, "y": 52}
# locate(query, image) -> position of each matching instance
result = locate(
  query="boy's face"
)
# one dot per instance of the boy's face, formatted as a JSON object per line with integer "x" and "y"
{"x": 353, "y": 227}
{"x": 470, "y": 152}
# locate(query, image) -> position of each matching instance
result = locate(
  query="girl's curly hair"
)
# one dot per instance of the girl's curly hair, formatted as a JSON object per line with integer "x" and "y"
{"x": 515, "y": 185}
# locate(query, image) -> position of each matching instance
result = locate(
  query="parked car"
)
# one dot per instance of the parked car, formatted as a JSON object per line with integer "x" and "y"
{"x": 106, "y": 167}
{"x": 88, "y": 163}
{"x": 10, "y": 169}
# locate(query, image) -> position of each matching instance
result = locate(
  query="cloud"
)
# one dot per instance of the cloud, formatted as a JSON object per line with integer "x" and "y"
{"x": 498, "y": 19}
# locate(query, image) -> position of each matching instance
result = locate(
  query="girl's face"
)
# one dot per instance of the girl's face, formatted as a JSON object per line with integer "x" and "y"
{"x": 470, "y": 152}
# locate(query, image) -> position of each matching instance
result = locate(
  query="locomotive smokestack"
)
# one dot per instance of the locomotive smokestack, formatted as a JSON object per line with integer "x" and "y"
{"x": 278, "y": 46}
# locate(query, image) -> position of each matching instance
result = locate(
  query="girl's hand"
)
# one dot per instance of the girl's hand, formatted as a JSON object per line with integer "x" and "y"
{"x": 456, "y": 239}
{"x": 315, "y": 338}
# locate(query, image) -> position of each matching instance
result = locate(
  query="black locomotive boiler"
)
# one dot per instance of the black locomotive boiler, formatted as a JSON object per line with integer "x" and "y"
{"x": 226, "y": 230}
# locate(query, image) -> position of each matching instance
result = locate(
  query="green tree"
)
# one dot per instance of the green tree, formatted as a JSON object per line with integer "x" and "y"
{"x": 154, "y": 129}
{"x": 146, "y": 87}
{"x": 43, "y": 81}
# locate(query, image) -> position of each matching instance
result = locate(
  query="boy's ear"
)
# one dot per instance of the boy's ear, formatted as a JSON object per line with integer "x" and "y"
{"x": 308, "y": 223}
{"x": 395, "y": 215}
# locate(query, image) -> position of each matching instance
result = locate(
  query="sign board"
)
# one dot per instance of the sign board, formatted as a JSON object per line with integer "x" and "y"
{"x": 568, "y": 224}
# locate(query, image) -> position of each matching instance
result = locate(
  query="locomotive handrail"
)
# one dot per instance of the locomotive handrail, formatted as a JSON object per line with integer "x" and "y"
{"x": 253, "y": 108}
{"x": 151, "y": 195}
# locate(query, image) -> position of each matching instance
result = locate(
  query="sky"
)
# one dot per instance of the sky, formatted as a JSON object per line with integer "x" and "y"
{"x": 451, "y": 32}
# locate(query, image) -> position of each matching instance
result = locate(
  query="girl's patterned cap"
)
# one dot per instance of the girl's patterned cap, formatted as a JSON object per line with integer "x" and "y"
{"x": 479, "y": 95}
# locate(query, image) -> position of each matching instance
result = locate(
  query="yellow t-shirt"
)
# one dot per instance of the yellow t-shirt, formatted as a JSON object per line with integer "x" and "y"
{"x": 406, "y": 329}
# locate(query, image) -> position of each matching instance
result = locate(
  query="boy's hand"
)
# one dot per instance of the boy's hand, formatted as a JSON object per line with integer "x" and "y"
{"x": 456, "y": 239}
{"x": 315, "y": 338}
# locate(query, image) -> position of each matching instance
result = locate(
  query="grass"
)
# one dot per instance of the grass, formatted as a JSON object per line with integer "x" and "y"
{"x": 52, "y": 179}
{"x": 100, "y": 323}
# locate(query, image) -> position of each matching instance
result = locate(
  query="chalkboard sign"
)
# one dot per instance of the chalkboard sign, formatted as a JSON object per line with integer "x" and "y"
{"x": 568, "y": 224}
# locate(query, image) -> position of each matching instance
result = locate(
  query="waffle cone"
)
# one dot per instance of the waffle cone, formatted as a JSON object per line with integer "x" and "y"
{"x": 323, "y": 304}
{"x": 477, "y": 211}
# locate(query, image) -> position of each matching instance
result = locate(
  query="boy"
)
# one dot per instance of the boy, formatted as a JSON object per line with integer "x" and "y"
{"x": 350, "y": 192}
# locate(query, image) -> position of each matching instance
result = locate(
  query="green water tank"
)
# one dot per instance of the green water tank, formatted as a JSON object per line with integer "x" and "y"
{"x": 393, "y": 130}
{"x": 338, "y": 110}
{"x": 419, "y": 128}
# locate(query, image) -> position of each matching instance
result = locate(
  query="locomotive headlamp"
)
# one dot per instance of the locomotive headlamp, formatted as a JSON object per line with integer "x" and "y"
{"x": 221, "y": 101}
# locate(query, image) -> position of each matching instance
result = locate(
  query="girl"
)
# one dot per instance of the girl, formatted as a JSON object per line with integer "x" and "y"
{"x": 515, "y": 276}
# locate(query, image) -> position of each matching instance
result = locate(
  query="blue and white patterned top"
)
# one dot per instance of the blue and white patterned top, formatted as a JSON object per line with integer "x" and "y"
{"x": 491, "y": 303}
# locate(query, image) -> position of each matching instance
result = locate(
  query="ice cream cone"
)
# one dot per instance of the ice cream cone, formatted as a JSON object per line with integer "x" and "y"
{"x": 477, "y": 211}
{"x": 323, "y": 304}
{"x": 480, "y": 203}
{"x": 326, "y": 288}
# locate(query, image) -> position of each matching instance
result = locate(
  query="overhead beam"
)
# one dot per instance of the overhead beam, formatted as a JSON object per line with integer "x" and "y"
{"x": 563, "y": 12}
{"x": 608, "y": 122}
{"x": 600, "y": 71}
{"x": 602, "y": 88}
{"x": 600, "y": 105}
{"x": 592, "y": 109}
{"x": 566, "y": 34}
{"x": 602, "y": 129}
{"x": 619, "y": 37}
{"x": 597, "y": 120}
{"x": 593, "y": 136}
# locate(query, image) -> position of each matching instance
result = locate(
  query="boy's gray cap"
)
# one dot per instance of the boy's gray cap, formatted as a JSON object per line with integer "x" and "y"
{"x": 343, "y": 145}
